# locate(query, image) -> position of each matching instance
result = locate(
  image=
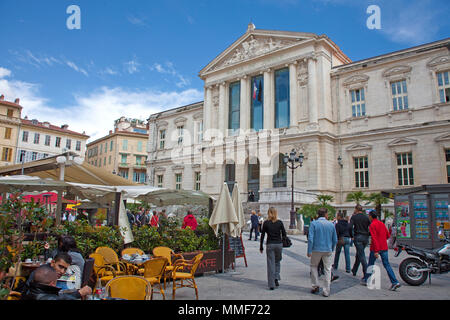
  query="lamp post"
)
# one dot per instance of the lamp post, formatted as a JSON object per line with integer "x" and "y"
{"x": 290, "y": 161}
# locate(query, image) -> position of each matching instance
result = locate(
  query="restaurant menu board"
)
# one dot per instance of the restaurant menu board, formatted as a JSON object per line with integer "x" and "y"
{"x": 421, "y": 218}
{"x": 236, "y": 245}
{"x": 403, "y": 219}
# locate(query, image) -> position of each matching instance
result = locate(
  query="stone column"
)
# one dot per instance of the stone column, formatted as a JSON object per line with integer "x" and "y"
{"x": 312, "y": 91}
{"x": 245, "y": 103}
{"x": 207, "y": 105}
{"x": 223, "y": 114}
{"x": 269, "y": 109}
{"x": 293, "y": 103}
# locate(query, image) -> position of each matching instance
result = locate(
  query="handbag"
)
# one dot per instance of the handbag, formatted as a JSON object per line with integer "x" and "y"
{"x": 287, "y": 242}
{"x": 341, "y": 242}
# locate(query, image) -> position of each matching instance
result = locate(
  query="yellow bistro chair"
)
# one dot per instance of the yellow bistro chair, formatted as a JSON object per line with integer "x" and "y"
{"x": 189, "y": 277}
{"x": 170, "y": 255}
{"x": 131, "y": 267}
{"x": 111, "y": 258}
{"x": 128, "y": 287}
{"x": 103, "y": 271}
{"x": 153, "y": 272}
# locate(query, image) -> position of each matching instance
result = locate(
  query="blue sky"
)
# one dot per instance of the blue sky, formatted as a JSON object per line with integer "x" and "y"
{"x": 138, "y": 57}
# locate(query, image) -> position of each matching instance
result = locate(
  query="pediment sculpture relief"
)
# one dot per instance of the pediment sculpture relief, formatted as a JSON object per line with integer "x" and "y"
{"x": 397, "y": 70}
{"x": 253, "y": 47}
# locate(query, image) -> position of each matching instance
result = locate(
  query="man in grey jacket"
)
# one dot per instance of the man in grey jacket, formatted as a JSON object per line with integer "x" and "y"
{"x": 322, "y": 241}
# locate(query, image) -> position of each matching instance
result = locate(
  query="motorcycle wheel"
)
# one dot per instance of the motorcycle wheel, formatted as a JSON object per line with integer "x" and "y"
{"x": 409, "y": 275}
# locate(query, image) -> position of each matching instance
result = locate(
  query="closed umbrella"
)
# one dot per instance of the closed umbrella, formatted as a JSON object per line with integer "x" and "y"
{"x": 224, "y": 216}
{"x": 237, "y": 202}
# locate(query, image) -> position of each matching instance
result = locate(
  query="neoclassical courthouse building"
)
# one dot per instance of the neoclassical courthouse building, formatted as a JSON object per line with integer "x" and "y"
{"x": 369, "y": 125}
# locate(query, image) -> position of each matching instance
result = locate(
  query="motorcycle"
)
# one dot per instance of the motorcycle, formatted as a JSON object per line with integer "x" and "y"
{"x": 415, "y": 271}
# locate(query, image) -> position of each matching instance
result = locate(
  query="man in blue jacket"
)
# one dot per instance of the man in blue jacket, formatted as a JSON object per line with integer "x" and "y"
{"x": 255, "y": 221}
{"x": 322, "y": 241}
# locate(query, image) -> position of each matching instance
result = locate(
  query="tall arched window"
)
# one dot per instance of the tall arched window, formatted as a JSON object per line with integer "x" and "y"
{"x": 282, "y": 98}
{"x": 279, "y": 179}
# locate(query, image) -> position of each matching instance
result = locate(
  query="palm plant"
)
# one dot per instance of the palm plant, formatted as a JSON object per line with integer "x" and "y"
{"x": 377, "y": 199}
{"x": 357, "y": 197}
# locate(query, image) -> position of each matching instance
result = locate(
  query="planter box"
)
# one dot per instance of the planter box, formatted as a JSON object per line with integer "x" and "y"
{"x": 212, "y": 260}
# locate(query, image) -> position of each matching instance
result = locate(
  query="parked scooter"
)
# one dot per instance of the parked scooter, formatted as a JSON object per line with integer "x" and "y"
{"x": 415, "y": 271}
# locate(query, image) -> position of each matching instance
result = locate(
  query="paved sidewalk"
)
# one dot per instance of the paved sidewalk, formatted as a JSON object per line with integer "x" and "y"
{"x": 251, "y": 283}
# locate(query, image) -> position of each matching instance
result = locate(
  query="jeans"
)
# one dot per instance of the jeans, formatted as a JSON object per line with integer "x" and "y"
{"x": 274, "y": 254}
{"x": 361, "y": 243}
{"x": 385, "y": 260}
{"x": 346, "y": 246}
{"x": 256, "y": 232}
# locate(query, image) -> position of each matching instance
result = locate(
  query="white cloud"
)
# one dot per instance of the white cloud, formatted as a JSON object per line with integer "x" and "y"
{"x": 132, "y": 66}
{"x": 137, "y": 21}
{"x": 109, "y": 71}
{"x": 169, "y": 69}
{"x": 76, "y": 68}
{"x": 95, "y": 111}
{"x": 4, "y": 73}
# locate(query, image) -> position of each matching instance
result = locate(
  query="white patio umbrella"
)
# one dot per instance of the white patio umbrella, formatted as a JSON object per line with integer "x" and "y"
{"x": 237, "y": 202}
{"x": 224, "y": 216}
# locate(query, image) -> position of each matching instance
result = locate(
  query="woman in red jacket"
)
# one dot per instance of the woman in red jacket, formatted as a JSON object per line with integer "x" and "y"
{"x": 379, "y": 248}
{"x": 189, "y": 221}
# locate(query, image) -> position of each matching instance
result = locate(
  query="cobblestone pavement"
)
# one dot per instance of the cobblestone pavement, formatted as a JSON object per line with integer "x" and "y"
{"x": 250, "y": 283}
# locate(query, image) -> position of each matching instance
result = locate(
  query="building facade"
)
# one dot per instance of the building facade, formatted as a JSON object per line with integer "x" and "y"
{"x": 122, "y": 152}
{"x": 10, "y": 113}
{"x": 370, "y": 125}
{"x": 39, "y": 140}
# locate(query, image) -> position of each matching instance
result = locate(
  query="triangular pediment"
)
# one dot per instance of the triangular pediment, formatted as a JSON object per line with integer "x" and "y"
{"x": 359, "y": 146}
{"x": 444, "y": 137}
{"x": 402, "y": 142}
{"x": 255, "y": 43}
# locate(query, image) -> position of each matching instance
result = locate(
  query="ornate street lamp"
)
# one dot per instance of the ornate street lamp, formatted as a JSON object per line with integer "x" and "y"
{"x": 290, "y": 161}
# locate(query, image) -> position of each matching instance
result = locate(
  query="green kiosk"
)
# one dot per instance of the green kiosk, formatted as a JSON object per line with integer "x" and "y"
{"x": 419, "y": 214}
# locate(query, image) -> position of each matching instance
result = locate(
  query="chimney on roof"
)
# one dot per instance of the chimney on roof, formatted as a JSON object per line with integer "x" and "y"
{"x": 110, "y": 132}
{"x": 64, "y": 126}
{"x": 46, "y": 124}
{"x": 17, "y": 101}
{"x": 2, "y": 97}
{"x": 26, "y": 118}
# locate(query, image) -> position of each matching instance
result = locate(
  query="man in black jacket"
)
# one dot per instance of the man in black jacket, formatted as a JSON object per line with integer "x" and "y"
{"x": 43, "y": 287}
{"x": 359, "y": 232}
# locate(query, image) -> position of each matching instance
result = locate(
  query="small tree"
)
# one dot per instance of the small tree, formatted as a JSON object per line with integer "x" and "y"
{"x": 377, "y": 199}
{"x": 310, "y": 210}
{"x": 357, "y": 197}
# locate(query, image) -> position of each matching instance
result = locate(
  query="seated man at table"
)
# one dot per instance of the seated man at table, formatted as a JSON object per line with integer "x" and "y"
{"x": 60, "y": 263}
{"x": 43, "y": 287}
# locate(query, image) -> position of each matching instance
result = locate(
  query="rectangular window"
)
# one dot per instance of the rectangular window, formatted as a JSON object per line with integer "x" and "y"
{"x": 25, "y": 136}
{"x": 405, "y": 171}
{"x": 123, "y": 159}
{"x": 7, "y": 133}
{"x": 106, "y": 147}
{"x": 139, "y": 146}
{"x": 6, "y": 154}
{"x": 123, "y": 173}
{"x": 160, "y": 179}
{"x": 58, "y": 142}
{"x": 361, "y": 172}
{"x": 180, "y": 131}
{"x": 109, "y": 160}
{"x": 68, "y": 144}
{"x": 139, "y": 176}
{"x": 10, "y": 113}
{"x": 111, "y": 145}
{"x": 104, "y": 161}
{"x": 282, "y": 112}
{"x": 34, "y": 156}
{"x": 178, "y": 181}
{"x": 36, "y": 138}
{"x": 358, "y": 102}
{"x": 443, "y": 86}
{"x": 22, "y": 156}
{"x": 447, "y": 161}
{"x": 199, "y": 131}
{"x": 198, "y": 176}
{"x": 399, "y": 95}
{"x": 257, "y": 105}
{"x": 234, "y": 106}
{"x": 78, "y": 146}
{"x": 101, "y": 149}
{"x": 139, "y": 160}
{"x": 125, "y": 145}
{"x": 162, "y": 139}
{"x": 47, "y": 140}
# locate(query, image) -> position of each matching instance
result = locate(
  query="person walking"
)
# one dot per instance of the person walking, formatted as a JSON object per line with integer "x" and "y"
{"x": 189, "y": 221}
{"x": 343, "y": 235}
{"x": 275, "y": 231}
{"x": 254, "y": 221}
{"x": 359, "y": 232}
{"x": 379, "y": 248}
{"x": 154, "y": 221}
{"x": 322, "y": 241}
